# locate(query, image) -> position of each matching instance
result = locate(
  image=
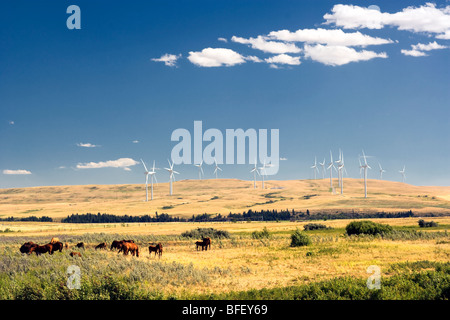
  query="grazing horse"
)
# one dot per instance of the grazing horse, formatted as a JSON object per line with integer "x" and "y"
{"x": 57, "y": 246}
{"x": 156, "y": 249}
{"x": 201, "y": 244}
{"x": 80, "y": 245}
{"x": 66, "y": 245}
{"x": 130, "y": 247}
{"x": 27, "y": 247}
{"x": 116, "y": 245}
{"x": 207, "y": 242}
{"x": 73, "y": 254}
{"x": 43, "y": 249}
{"x": 101, "y": 246}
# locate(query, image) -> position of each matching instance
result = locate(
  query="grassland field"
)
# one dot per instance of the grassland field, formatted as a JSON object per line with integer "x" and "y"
{"x": 236, "y": 268}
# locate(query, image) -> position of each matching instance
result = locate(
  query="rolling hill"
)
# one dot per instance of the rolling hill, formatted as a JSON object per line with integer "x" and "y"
{"x": 222, "y": 196}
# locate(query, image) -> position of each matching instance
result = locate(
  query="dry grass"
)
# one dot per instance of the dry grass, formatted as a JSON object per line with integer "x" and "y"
{"x": 221, "y": 196}
{"x": 243, "y": 263}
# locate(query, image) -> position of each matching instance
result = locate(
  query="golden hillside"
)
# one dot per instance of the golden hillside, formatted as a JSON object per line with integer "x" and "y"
{"x": 221, "y": 196}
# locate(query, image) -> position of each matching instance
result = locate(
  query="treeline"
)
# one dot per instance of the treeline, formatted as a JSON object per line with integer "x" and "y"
{"x": 250, "y": 215}
{"x": 31, "y": 218}
{"x": 111, "y": 218}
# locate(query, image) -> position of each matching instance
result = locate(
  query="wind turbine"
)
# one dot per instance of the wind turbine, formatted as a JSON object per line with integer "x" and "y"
{"x": 331, "y": 166}
{"x": 200, "y": 170}
{"x": 403, "y": 173}
{"x": 216, "y": 168}
{"x": 314, "y": 167}
{"x": 339, "y": 163}
{"x": 254, "y": 171}
{"x": 381, "y": 171}
{"x": 263, "y": 172}
{"x": 322, "y": 164}
{"x": 171, "y": 176}
{"x": 152, "y": 176}
{"x": 146, "y": 172}
{"x": 364, "y": 167}
{"x": 341, "y": 169}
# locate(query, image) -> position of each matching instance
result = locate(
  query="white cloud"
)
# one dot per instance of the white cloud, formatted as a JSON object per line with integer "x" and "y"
{"x": 222, "y": 39}
{"x": 339, "y": 55}
{"x": 253, "y": 59}
{"x": 413, "y": 53}
{"x": 283, "y": 59}
{"x": 215, "y": 57}
{"x": 426, "y": 18}
{"x": 11, "y": 122}
{"x": 283, "y": 159}
{"x": 87, "y": 145}
{"x": 135, "y": 141}
{"x": 260, "y": 43}
{"x": 119, "y": 163}
{"x": 328, "y": 36}
{"x": 418, "y": 49}
{"x": 19, "y": 171}
{"x": 168, "y": 59}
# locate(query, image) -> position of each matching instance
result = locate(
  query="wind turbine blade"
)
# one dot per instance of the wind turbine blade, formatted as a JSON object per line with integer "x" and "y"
{"x": 144, "y": 165}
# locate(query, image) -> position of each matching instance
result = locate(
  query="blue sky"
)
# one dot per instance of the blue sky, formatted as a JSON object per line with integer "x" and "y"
{"x": 352, "y": 78}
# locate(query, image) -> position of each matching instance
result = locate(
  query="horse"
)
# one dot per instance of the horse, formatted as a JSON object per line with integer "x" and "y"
{"x": 101, "y": 246}
{"x": 130, "y": 247}
{"x": 66, "y": 245}
{"x": 27, "y": 247}
{"x": 57, "y": 246}
{"x": 73, "y": 254}
{"x": 54, "y": 240}
{"x": 80, "y": 245}
{"x": 43, "y": 249}
{"x": 116, "y": 245}
{"x": 207, "y": 242}
{"x": 156, "y": 249}
{"x": 202, "y": 244}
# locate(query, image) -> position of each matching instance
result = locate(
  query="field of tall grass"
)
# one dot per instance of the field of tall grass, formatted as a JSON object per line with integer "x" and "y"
{"x": 254, "y": 261}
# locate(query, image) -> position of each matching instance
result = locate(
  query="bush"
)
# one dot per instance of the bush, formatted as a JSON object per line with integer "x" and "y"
{"x": 367, "y": 227}
{"x": 206, "y": 232}
{"x": 427, "y": 224}
{"x": 315, "y": 226}
{"x": 299, "y": 239}
{"x": 261, "y": 234}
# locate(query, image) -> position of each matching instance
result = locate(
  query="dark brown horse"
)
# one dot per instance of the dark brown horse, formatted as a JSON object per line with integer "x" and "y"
{"x": 101, "y": 246}
{"x": 116, "y": 245}
{"x": 201, "y": 244}
{"x": 43, "y": 249}
{"x": 57, "y": 246}
{"x": 158, "y": 249}
{"x": 207, "y": 242}
{"x": 27, "y": 247}
{"x": 80, "y": 245}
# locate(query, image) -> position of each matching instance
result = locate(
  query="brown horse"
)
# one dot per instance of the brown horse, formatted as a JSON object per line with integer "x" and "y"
{"x": 80, "y": 245}
{"x": 207, "y": 242}
{"x": 101, "y": 246}
{"x": 27, "y": 247}
{"x": 43, "y": 249}
{"x": 74, "y": 254}
{"x": 158, "y": 249}
{"x": 116, "y": 245}
{"x": 201, "y": 244}
{"x": 57, "y": 246}
{"x": 130, "y": 247}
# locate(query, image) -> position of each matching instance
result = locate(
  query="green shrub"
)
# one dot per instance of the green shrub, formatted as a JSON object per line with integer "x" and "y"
{"x": 367, "y": 227}
{"x": 299, "y": 239}
{"x": 427, "y": 224}
{"x": 264, "y": 234}
{"x": 315, "y": 226}
{"x": 206, "y": 232}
